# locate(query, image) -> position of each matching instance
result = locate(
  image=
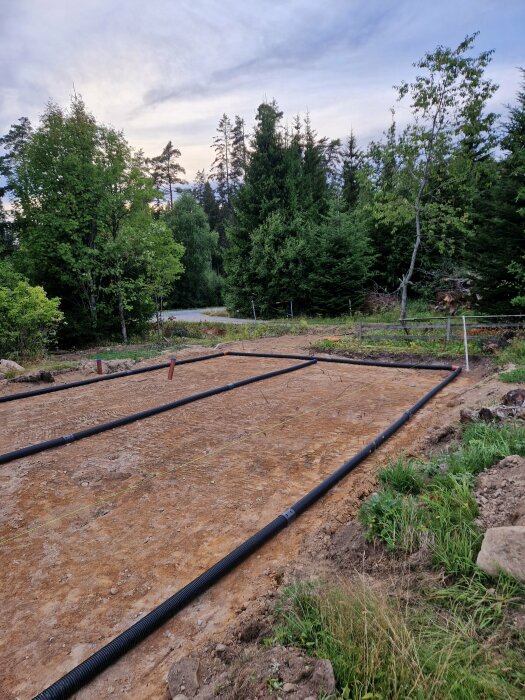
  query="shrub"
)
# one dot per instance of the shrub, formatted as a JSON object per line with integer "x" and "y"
{"x": 28, "y": 321}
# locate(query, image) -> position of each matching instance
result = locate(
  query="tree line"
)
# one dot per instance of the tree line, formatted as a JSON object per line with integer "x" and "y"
{"x": 283, "y": 214}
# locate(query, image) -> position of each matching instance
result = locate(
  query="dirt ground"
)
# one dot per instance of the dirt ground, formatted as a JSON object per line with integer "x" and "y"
{"x": 95, "y": 534}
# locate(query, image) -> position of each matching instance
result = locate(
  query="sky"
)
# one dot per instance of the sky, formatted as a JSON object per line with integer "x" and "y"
{"x": 168, "y": 69}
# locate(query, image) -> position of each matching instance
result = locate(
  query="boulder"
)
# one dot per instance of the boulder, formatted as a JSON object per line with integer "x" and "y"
{"x": 516, "y": 397}
{"x": 503, "y": 549}
{"x": 35, "y": 377}
{"x": 9, "y": 365}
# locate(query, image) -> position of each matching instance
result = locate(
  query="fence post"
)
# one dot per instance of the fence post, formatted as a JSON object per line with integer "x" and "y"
{"x": 291, "y": 308}
{"x": 465, "y": 342}
{"x": 448, "y": 331}
{"x": 360, "y": 331}
{"x": 253, "y": 308}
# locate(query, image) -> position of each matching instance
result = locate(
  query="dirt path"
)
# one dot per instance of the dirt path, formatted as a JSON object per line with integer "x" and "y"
{"x": 95, "y": 534}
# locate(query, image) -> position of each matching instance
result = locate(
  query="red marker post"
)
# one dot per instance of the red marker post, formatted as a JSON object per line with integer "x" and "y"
{"x": 173, "y": 360}
{"x": 99, "y": 366}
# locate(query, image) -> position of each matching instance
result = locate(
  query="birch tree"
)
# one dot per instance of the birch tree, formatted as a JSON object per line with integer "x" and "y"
{"x": 447, "y": 99}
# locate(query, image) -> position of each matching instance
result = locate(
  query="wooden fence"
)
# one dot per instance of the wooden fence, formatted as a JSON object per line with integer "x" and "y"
{"x": 443, "y": 329}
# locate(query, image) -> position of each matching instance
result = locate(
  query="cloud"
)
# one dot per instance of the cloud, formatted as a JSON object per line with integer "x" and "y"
{"x": 168, "y": 69}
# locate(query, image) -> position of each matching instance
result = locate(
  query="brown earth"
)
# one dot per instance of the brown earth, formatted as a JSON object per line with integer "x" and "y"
{"x": 95, "y": 534}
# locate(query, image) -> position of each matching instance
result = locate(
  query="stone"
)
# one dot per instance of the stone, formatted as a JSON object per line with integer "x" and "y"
{"x": 323, "y": 677}
{"x": 468, "y": 415}
{"x": 6, "y": 365}
{"x": 289, "y": 687}
{"x": 35, "y": 377}
{"x": 516, "y": 397}
{"x": 184, "y": 673}
{"x": 503, "y": 549}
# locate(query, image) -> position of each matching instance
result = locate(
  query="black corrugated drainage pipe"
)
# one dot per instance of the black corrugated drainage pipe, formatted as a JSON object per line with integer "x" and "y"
{"x": 104, "y": 378}
{"x": 114, "y": 650}
{"x": 343, "y": 360}
{"x": 125, "y": 420}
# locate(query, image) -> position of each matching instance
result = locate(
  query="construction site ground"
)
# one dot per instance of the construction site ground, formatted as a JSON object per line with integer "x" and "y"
{"x": 95, "y": 534}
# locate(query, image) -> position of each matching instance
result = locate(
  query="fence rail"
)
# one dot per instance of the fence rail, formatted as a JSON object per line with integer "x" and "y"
{"x": 453, "y": 329}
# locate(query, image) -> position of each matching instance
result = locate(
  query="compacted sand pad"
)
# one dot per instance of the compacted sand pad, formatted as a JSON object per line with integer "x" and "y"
{"x": 97, "y": 533}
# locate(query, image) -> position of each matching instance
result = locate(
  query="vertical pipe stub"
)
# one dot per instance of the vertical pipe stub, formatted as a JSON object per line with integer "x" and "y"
{"x": 173, "y": 360}
{"x": 99, "y": 365}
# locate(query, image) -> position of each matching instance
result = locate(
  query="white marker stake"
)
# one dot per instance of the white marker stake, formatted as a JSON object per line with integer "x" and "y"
{"x": 465, "y": 342}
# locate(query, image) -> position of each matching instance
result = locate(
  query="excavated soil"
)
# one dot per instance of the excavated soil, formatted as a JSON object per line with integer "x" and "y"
{"x": 95, "y": 534}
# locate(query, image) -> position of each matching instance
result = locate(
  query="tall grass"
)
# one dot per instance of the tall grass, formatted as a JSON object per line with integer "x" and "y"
{"x": 439, "y": 509}
{"x": 379, "y": 651}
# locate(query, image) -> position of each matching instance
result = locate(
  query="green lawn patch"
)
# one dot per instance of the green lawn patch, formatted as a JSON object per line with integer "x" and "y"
{"x": 513, "y": 376}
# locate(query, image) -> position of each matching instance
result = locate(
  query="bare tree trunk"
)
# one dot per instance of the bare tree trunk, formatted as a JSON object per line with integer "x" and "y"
{"x": 123, "y": 328}
{"x": 157, "y": 313}
{"x": 408, "y": 276}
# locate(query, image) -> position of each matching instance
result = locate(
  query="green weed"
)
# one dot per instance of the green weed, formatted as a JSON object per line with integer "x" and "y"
{"x": 513, "y": 376}
{"x": 480, "y": 600}
{"x": 394, "y": 519}
{"x": 378, "y": 650}
{"x": 514, "y": 353}
{"x": 484, "y": 444}
{"x": 448, "y": 514}
{"x": 403, "y": 477}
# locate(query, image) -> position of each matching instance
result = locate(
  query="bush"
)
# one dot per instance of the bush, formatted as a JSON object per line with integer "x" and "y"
{"x": 28, "y": 321}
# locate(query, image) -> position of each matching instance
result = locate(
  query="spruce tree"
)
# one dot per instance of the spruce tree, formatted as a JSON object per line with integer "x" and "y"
{"x": 499, "y": 275}
{"x": 166, "y": 172}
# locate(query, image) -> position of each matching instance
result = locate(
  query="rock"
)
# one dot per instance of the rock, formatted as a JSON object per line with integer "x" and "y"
{"x": 35, "y": 377}
{"x": 468, "y": 415}
{"x": 184, "y": 674}
{"x": 288, "y": 688}
{"x": 323, "y": 677}
{"x": 7, "y": 365}
{"x": 503, "y": 548}
{"x": 180, "y": 696}
{"x": 516, "y": 397}
{"x": 487, "y": 414}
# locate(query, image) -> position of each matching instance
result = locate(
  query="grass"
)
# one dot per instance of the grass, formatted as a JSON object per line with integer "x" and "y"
{"x": 420, "y": 503}
{"x": 513, "y": 376}
{"x": 378, "y": 651}
{"x": 351, "y": 343}
{"x": 125, "y": 354}
{"x": 449, "y": 643}
{"x": 402, "y": 476}
{"x": 514, "y": 353}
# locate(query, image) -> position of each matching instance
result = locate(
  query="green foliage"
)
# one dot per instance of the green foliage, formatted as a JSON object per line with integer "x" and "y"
{"x": 449, "y": 513}
{"x": 448, "y": 130}
{"x": 500, "y": 205}
{"x": 403, "y": 477}
{"x": 514, "y": 353}
{"x": 513, "y": 376}
{"x": 380, "y": 650}
{"x": 442, "y": 511}
{"x": 28, "y": 321}
{"x": 82, "y": 209}
{"x": 484, "y": 444}
{"x": 188, "y": 224}
{"x": 479, "y": 599}
{"x": 394, "y": 519}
